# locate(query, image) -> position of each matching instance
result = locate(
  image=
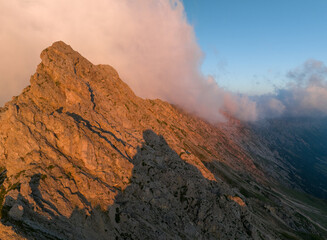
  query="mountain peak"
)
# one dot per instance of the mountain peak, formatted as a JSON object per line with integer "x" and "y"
{"x": 62, "y": 47}
{"x": 62, "y": 58}
{"x": 65, "y": 79}
{"x": 81, "y": 156}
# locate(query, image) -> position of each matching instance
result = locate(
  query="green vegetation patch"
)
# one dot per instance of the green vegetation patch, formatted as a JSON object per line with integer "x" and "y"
{"x": 162, "y": 122}
{"x": 4, "y": 191}
{"x": 18, "y": 174}
{"x": 50, "y": 167}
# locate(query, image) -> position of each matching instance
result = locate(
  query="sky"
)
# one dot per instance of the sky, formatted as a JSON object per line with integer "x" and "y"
{"x": 249, "y": 46}
{"x": 250, "y": 59}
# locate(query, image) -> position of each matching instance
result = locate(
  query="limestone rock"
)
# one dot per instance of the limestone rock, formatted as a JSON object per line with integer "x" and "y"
{"x": 82, "y": 157}
{"x": 16, "y": 212}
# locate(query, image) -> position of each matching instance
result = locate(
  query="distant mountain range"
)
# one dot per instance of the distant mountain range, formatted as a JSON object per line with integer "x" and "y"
{"x": 82, "y": 157}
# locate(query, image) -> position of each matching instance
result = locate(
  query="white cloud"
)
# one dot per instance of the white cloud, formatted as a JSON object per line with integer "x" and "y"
{"x": 304, "y": 95}
{"x": 149, "y": 42}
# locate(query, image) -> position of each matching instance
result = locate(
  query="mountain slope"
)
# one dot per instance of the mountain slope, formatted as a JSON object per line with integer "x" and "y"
{"x": 301, "y": 144}
{"x": 82, "y": 157}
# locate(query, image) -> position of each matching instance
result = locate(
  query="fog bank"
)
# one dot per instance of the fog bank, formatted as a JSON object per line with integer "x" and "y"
{"x": 150, "y": 43}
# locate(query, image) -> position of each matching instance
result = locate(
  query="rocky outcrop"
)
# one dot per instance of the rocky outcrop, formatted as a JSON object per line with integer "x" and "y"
{"x": 82, "y": 157}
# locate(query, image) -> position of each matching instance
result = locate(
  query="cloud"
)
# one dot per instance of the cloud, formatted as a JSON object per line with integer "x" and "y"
{"x": 305, "y": 94}
{"x": 149, "y": 42}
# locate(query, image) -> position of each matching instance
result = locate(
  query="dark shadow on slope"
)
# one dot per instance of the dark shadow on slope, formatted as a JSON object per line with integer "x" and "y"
{"x": 167, "y": 198}
{"x": 170, "y": 199}
{"x": 301, "y": 144}
{"x": 37, "y": 196}
{"x": 99, "y": 132}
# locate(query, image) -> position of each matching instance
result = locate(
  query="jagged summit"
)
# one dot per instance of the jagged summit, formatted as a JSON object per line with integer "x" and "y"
{"x": 72, "y": 77}
{"x": 82, "y": 157}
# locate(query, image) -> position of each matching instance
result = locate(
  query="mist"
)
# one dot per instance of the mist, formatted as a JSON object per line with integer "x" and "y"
{"x": 304, "y": 94}
{"x": 153, "y": 48}
{"x": 150, "y": 43}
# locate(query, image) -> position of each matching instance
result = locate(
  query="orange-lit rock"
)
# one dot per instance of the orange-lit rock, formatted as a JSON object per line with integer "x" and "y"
{"x": 82, "y": 157}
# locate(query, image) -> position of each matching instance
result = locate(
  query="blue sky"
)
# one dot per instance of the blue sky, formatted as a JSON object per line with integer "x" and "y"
{"x": 250, "y": 45}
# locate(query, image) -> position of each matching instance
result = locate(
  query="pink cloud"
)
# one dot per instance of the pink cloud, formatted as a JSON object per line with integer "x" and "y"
{"x": 150, "y": 43}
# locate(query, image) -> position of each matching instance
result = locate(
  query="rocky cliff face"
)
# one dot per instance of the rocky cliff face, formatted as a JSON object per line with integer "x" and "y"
{"x": 82, "y": 157}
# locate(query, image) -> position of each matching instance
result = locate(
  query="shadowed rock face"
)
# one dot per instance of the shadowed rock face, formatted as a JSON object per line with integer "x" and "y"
{"x": 166, "y": 198}
{"x": 82, "y": 157}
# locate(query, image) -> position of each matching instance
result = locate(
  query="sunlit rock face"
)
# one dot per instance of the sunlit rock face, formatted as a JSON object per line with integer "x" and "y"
{"x": 82, "y": 157}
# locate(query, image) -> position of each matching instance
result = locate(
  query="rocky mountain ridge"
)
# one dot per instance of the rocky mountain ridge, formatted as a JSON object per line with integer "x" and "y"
{"x": 82, "y": 157}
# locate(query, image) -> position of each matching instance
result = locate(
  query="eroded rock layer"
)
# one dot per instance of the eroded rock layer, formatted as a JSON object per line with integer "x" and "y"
{"x": 82, "y": 157}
